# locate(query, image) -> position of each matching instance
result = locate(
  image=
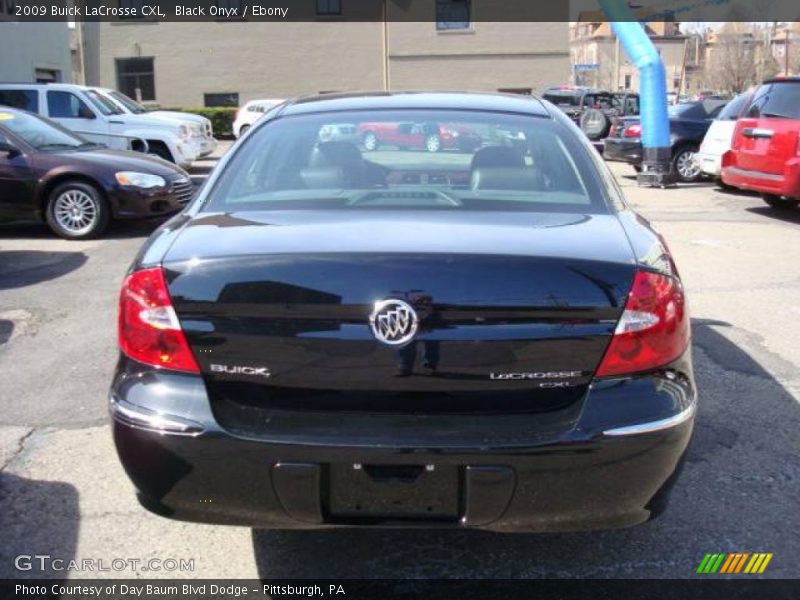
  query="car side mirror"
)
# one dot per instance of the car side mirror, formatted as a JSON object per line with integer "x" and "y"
{"x": 8, "y": 149}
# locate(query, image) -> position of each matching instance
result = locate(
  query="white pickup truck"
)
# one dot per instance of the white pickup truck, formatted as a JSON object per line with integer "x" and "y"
{"x": 97, "y": 118}
{"x": 201, "y": 129}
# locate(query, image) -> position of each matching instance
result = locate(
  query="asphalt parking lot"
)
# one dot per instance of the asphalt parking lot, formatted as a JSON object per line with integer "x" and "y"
{"x": 64, "y": 494}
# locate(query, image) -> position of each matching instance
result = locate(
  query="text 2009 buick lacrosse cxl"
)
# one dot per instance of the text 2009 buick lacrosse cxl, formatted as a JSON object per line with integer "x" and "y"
{"x": 330, "y": 335}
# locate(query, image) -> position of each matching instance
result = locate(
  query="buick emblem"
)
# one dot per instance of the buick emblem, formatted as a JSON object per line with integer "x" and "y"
{"x": 393, "y": 322}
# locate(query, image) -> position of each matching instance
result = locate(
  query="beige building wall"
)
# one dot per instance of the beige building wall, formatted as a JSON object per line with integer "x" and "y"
{"x": 488, "y": 56}
{"x": 268, "y": 59}
{"x": 257, "y": 60}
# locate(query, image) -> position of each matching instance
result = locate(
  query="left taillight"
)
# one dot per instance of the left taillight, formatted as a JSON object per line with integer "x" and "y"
{"x": 653, "y": 330}
{"x": 633, "y": 131}
{"x": 148, "y": 328}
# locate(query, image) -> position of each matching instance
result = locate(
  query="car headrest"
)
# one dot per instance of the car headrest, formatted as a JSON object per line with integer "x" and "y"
{"x": 337, "y": 154}
{"x": 520, "y": 179}
{"x": 323, "y": 178}
{"x": 497, "y": 156}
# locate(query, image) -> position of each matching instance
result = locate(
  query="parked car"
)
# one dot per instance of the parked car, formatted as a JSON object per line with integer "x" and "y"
{"x": 76, "y": 186}
{"x": 250, "y": 113}
{"x": 591, "y": 109}
{"x": 95, "y": 117}
{"x": 412, "y": 135}
{"x": 326, "y": 337}
{"x": 719, "y": 136}
{"x": 199, "y": 126}
{"x": 766, "y": 145}
{"x": 688, "y": 124}
{"x": 339, "y": 132}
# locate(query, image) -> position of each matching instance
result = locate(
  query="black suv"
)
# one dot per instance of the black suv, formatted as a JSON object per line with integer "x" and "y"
{"x": 593, "y": 110}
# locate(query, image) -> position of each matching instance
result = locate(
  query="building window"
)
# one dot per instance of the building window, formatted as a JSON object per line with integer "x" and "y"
{"x": 136, "y": 78}
{"x": 48, "y": 75}
{"x": 329, "y": 7}
{"x": 221, "y": 99}
{"x": 453, "y": 14}
{"x": 627, "y": 82}
{"x": 230, "y": 5}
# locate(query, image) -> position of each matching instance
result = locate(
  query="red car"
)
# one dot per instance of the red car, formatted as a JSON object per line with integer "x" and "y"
{"x": 765, "y": 154}
{"x": 432, "y": 137}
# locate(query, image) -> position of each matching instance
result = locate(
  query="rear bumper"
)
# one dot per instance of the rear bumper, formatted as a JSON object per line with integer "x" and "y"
{"x": 786, "y": 183}
{"x": 618, "y": 149}
{"x": 710, "y": 164}
{"x": 610, "y": 465}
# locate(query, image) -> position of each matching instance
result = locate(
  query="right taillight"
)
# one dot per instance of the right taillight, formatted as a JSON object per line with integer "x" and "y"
{"x": 653, "y": 329}
{"x": 148, "y": 328}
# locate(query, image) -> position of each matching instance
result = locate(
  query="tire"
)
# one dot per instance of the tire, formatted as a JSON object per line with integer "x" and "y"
{"x": 243, "y": 129}
{"x": 370, "y": 141}
{"x": 779, "y": 202}
{"x": 160, "y": 150}
{"x": 433, "y": 143}
{"x": 595, "y": 124}
{"x": 77, "y": 210}
{"x": 683, "y": 166}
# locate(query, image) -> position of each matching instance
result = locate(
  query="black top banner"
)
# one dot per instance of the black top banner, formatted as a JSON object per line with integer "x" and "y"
{"x": 442, "y": 11}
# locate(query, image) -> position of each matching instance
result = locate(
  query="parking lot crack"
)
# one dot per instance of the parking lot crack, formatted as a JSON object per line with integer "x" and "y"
{"x": 20, "y": 448}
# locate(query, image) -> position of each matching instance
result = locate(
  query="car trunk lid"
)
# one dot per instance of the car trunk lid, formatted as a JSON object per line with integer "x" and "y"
{"x": 515, "y": 309}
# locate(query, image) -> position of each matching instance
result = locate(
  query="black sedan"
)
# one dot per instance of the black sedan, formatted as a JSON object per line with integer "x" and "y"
{"x": 77, "y": 187}
{"x": 688, "y": 123}
{"x": 336, "y": 337}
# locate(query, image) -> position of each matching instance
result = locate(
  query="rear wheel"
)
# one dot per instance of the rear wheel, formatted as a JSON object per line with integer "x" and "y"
{"x": 683, "y": 164}
{"x": 433, "y": 143}
{"x": 77, "y": 210}
{"x": 780, "y": 202}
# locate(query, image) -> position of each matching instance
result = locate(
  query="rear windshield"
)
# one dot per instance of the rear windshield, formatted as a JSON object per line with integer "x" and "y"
{"x": 734, "y": 108}
{"x": 776, "y": 100}
{"x": 563, "y": 99}
{"x": 703, "y": 109}
{"x": 417, "y": 159}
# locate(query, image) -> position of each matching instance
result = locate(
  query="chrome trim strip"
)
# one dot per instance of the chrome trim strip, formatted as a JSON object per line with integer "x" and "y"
{"x": 129, "y": 414}
{"x": 754, "y": 174}
{"x": 652, "y": 426}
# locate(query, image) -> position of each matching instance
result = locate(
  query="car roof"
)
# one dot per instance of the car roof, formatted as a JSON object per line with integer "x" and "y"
{"x": 477, "y": 101}
{"x": 263, "y": 100}
{"x": 44, "y": 86}
{"x": 794, "y": 79}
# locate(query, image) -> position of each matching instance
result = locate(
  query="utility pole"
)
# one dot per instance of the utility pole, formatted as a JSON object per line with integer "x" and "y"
{"x": 386, "y": 80}
{"x": 786, "y": 52}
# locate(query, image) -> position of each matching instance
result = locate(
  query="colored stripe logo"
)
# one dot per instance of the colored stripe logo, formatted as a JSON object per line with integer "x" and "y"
{"x": 751, "y": 563}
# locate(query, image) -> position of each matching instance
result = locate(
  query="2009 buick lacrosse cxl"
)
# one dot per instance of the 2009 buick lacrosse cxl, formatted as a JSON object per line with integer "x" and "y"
{"x": 484, "y": 336}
